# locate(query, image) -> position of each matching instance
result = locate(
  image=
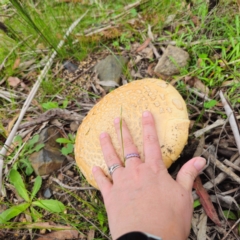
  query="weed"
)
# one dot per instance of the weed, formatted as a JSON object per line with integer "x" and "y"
{"x": 69, "y": 144}
{"x": 51, "y": 105}
{"x": 28, "y": 148}
{"x": 53, "y": 206}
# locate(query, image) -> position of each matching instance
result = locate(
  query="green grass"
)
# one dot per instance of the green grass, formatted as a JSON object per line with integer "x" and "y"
{"x": 36, "y": 28}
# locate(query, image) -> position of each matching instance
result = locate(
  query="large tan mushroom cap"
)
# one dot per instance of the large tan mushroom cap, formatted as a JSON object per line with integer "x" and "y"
{"x": 129, "y": 101}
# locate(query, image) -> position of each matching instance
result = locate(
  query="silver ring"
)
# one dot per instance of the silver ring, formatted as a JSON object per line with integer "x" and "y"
{"x": 131, "y": 155}
{"x": 113, "y": 168}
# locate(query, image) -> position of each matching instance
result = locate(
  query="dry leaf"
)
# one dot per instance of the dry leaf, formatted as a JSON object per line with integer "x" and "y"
{"x": 91, "y": 234}
{"x": 16, "y": 63}
{"x": 11, "y": 123}
{"x": 196, "y": 83}
{"x": 144, "y": 45}
{"x": 202, "y": 227}
{"x": 195, "y": 20}
{"x": 60, "y": 235}
{"x": 206, "y": 201}
{"x": 13, "y": 81}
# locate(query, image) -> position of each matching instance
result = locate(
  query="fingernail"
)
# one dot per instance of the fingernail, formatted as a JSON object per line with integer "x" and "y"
{"x": 146, "y": 114}
{"x": 117, "y": 120}
{"x": 103, "y": 135}
{"x": 200, "y": 163}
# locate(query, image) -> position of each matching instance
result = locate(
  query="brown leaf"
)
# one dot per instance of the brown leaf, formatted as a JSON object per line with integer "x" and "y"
{"x": 206, "y": 201}
{"x": 13, "y": 81}
{"x": 16, "y": 63}
{"x": 144, "y": 45}
{"x": 11, "y": 123}
{"x": 60, "y": 235}
{"x": 91, "y": 234}
{"x": 198, "y": 84}
{"x": 195, "y": 20}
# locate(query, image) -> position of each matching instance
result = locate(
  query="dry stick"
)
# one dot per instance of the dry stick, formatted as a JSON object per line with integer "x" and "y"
{"x": 232, "y": 120}
{"x": 232, "y": 165}
{"x": 222, "y": 167}
{"x": 235, "y": 224}
{"x": 199, "y": 94}
{"x": 31, "y": 96}
{"x": 217, "y": 123}
{"x": 61, "y": 113}
{"x": 220, "y": 177}
{"x": 69, "y": 187}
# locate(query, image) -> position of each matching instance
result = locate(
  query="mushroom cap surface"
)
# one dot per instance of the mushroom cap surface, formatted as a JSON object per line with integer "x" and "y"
{"x": 129, "y": 101}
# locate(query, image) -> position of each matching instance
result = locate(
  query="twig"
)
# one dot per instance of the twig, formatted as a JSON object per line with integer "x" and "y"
{"x": 221, "y": 177}
{"x": 31, "y": 96}
{"x": 232, "y": 165}
{"x": 199, "y": 94}
{"x": 7, "y": 95}
{"x": 69, "y": 187}
{"x": 200, "y": 132}
{"x": 222, "y": 167}
{"x": 235, "y": 224}
{"x": 232, "y": 120}
{"x": 217, "y": 123}
{"x": 53, "y": 113}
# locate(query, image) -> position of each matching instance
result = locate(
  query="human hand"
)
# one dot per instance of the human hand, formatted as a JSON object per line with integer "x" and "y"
{"x": 142, "y": 196}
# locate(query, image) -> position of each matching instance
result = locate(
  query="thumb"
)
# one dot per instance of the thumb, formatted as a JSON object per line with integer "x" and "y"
{"x": 102, "y": 180}
{"x": 189, "y": 172}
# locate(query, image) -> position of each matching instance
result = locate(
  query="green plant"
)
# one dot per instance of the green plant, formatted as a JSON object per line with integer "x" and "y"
{"x": 210, "y": 104}
{"x": 69, "y": 144}
{"x": 51, "y": 105}
{"x": 53, "y": 206}
{"x": 28, "y": 148}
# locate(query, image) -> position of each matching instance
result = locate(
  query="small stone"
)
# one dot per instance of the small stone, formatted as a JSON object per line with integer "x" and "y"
{"x": 171, "y": 61}
{"x": 74, "y": 126}
{"x": 109, "y": 70}
{"x": 47, "y": 193}
{"x": 49, "y": 158}
{"x": 69, "y": 173}
{"x": 71, "y": 67}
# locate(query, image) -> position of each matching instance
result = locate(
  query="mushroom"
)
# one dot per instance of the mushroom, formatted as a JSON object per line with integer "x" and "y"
{"x": 129, "y": 101}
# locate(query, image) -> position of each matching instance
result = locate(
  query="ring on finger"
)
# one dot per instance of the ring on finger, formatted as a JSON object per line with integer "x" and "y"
{"x": 131, "y": 155}
{"x": 113, "y": 168}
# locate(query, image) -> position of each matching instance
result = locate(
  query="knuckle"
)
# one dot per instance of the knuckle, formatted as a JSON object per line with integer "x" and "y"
{"x": 111, "y": 158}
{"x": 148, "y": 121}
{"x": 190, "y": 174}
{"x": 150, "y": 138}
{"x": 128, "y": 141}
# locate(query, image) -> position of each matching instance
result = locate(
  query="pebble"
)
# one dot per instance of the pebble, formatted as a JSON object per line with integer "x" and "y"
{"x": 49, "y": 158}
{"x": 47, "y": 193}
{"x": 171, "y": 61}
{"x": 109, "y": 71}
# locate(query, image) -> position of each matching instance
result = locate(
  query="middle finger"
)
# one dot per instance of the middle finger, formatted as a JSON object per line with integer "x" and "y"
{"x": 130, "y": 151}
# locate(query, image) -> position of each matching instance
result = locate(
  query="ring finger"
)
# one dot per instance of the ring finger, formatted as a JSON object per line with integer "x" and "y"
{"x": 112, "y": 160}
{"x": 130, "y": 151}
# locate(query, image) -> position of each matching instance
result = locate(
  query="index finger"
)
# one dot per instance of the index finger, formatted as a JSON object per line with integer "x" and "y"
{"x": 152, "y": 150}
